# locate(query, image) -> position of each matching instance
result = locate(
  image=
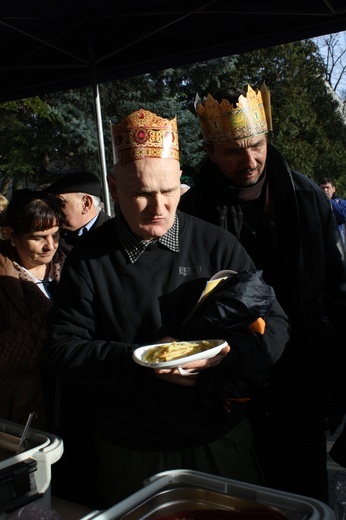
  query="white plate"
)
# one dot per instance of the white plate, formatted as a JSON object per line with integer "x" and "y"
{"x": 211, "y": 352}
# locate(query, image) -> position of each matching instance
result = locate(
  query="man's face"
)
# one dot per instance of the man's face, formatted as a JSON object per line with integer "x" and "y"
{"x": 242, "y": 161}
{"x": 328, "y": 189}
{"x": 147, "y": 192}
{"x": 72, "y": 205}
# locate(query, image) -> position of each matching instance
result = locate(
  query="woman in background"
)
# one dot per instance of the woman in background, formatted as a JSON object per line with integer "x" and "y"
{"x": 30, "y": 265}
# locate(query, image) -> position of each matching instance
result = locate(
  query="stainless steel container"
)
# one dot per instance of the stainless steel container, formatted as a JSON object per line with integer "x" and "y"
{"x": 197, "y": 503}
{"x": 25, "y": 467}
{"x": 191, "y": 495}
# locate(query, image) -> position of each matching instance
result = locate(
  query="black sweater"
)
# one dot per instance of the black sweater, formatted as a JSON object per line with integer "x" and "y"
{"x": 107, "y": 306}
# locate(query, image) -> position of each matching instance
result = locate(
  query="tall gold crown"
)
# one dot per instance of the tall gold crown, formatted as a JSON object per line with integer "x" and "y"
{"x": 144, "y": 134}
{"x": 221, "y": 122}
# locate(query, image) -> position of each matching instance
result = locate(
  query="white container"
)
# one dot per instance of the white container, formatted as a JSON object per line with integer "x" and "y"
{"x": 25, "y": 477}
{"x": 149, "y": 502}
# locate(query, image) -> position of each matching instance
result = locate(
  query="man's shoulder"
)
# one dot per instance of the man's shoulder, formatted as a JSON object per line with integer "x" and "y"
{"x": 303, "y": 181}
{"x": 104, "y": 225}
{"x": 102, "y": 217}
{"x": 99, "y": 241}
{"x": 340, "y": 201}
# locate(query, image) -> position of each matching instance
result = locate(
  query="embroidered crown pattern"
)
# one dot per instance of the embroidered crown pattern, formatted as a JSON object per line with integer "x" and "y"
{"x": 144, "y": 134}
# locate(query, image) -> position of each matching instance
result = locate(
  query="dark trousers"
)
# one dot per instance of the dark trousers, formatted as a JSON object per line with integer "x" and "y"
{"x": 122, "y": 471}
{"x": 290, "y": 438}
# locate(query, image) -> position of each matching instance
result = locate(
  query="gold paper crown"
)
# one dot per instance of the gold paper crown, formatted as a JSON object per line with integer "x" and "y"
{"x": 144, "y": 134}
{"x": 222, "y": 122}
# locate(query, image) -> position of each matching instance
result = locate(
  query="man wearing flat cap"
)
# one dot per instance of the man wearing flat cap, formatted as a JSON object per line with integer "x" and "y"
{"x": 78, "y": 194}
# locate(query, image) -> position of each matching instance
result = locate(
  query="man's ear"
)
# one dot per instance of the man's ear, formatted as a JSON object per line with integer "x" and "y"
{"x": 112, "y": 183}
{"x": 87, "y": 203}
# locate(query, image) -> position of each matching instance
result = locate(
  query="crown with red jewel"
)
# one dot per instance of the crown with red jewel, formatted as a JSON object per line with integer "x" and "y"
{"x": 222, "y": 122}
{"x": 143, "y": 134}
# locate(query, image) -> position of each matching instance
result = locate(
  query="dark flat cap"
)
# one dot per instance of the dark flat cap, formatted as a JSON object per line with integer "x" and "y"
{"x": 75, "y": 182}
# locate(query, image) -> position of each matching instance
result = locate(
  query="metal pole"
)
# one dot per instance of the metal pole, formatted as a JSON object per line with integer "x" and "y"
{"x": 102, "y": 156}
{"x": 100, "y": 139}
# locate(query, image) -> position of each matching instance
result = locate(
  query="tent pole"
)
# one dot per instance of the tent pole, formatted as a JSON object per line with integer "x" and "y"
{"x": 100, "y": 139}
{"x": 101, "y": 147}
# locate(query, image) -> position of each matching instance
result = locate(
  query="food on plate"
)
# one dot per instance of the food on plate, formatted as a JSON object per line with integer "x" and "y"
{"x": 176, "y": 350}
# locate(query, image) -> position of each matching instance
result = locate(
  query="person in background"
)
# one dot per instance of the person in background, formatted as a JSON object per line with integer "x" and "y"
{"x": 79, "y": 195}
{"x": 287, "y": 226}
{"x": 134, "y": 281}
{"x": 3, "y": 203}
{"x": 339, "y": 205}
{"x": 30, "y": 266}
{"x": 3, "y": 206}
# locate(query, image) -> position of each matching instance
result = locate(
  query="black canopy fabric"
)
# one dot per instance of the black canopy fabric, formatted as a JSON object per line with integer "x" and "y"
{"x": 54, "y": 45}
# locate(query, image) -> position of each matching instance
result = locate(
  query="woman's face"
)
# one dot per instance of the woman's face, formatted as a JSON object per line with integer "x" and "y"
{"x": 36, "y": 247}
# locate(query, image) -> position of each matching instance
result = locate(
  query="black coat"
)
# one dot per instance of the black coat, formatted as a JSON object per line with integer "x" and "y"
{"x": 296, "y": 244}
{"x": 67, "y": 241}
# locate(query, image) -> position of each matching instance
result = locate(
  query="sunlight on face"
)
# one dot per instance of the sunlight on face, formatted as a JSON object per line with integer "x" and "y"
{"x": 71, "y": 205}
{"x": 37, "y": 247}
{"x": 242, "y": 161}
{"x": 148, "y": 193}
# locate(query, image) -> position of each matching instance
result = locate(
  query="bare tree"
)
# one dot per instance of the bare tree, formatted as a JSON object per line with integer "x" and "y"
{"x": 332, "y": 49}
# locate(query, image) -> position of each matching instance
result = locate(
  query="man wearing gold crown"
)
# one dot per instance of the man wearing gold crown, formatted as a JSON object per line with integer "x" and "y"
{"x": 283, "y": 221}
{"x": 132, "y": 282}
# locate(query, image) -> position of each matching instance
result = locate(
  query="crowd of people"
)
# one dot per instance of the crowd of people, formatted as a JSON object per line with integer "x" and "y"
{"x": 80, "y": 291}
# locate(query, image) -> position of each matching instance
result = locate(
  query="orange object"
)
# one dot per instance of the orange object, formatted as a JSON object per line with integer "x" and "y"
{"x": 257, "y": 326}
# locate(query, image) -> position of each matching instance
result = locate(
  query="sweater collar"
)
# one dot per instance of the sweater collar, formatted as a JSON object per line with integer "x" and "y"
{"x": 135, "y": 247}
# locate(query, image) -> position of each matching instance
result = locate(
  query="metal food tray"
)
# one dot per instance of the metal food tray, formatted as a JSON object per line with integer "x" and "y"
{"x": 176, "y": 502}
{"x": 26, "y": 456}
{"x": 192, "y": 490}
{"x": 10, "y": 440}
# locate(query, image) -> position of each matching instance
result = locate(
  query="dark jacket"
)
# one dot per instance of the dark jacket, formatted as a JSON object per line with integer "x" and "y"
{"x": 294, "y": 239}
{"x": 68, "y": 240}
{"x": 230, "y": 310}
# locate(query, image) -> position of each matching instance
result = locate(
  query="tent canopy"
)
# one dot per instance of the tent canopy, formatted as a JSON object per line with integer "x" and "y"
{"x": 48, "y": 46}
{"x": 60, "y": 44}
